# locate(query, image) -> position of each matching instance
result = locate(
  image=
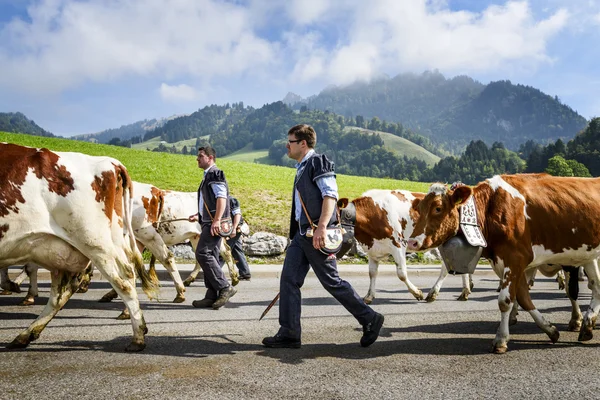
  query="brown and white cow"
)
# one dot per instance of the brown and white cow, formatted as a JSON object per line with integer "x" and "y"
{"x": 383, "y": 221}
{"x": 160, "y": 219}
{"x": 527, "y": 221}
{"x": 61, "y": 211}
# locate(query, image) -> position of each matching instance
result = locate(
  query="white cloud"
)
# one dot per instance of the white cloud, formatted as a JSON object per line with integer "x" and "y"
{"x": 70, "y": 42}
{"x": 176, "y": 93}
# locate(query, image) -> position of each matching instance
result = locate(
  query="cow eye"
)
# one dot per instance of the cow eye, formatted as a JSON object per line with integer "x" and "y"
{"x": 438, "y": 210}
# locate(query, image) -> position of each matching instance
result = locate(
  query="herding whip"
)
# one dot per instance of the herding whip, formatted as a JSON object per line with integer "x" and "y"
{"x": 271, "y": 304}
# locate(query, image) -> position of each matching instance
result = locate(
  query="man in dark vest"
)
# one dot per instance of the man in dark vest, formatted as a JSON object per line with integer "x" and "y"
{"x": 212, "y": 205}
{"x": 316, "y": 187}
{"x": 235, "y": 241}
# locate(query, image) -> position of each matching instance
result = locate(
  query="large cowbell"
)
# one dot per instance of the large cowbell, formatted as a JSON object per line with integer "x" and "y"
{"x": 459, "y": 256}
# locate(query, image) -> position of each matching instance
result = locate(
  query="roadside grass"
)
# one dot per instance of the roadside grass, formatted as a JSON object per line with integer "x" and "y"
{"x": 264, "y": 191}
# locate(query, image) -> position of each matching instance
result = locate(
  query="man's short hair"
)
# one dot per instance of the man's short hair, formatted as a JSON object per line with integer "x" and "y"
{"x": 209, "y": 151}
{"x": 304, "y": 132}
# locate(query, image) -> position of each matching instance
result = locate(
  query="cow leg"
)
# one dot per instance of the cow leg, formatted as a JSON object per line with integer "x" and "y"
{"x": 6, "y": 284}
{"x": 435, "y": 289}
{"x": 31, "y": 271}
{"x": 225, "y": 253}
{"x": 466, "y": 291}
{"x": 560, "y": 278}
{"x": 399, "y": 255}
{"x": 162, "y": 253}
{"x": 524, "y": 299}
{"x": 572, "y": 289}
{"x": 64, "y": 284}
{"x": 589, "y": 318}
{"x": 125, "y": 289}
{"x": 194, "y": 274}
{"x": 581, "y": 274}
{"x": 373, "y": 269}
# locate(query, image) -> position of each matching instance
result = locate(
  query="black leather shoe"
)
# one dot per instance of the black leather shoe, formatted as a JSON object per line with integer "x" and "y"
{"x": 245, "y": 277}
{"x": 224, "y": 296}
{"x": 279, "y": 342}
{"x": 371, "y": 331}
{"x": 204, "y": 303}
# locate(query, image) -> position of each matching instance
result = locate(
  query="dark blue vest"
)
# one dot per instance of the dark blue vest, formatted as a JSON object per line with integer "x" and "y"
{"x": 317, "y": 166}
{"x": 214, "y": 175}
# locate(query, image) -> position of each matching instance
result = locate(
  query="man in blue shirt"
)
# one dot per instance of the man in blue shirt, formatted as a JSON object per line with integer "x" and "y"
{"x": 315, "y": 186}
{"x": 212, "y": 206}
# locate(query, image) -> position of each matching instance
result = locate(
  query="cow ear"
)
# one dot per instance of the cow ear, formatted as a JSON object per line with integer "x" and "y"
{"x": 342, "y": 203}
{"x": 415, "y": 203}
{"x": 461, "y": 194}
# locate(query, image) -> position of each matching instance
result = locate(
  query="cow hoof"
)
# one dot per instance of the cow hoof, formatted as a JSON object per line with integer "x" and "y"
{"x": 512, "y": 321}
{"x": 179, "y": 298}
{"x": 554, "y": 336}
{"x": 463, "y": 297}
{"x": 368, "y": 300}
{"x": 124, "y": 315}
{"x": 27, "y": 301}
{"x": 5, "y": 293}
{"x": 13, "y": 287}
{"x": 431, "y": 296}
{"x": 105, "y": 299}
{"x": 235, "y": 281}
{"x": 16, "y": 344}
{"x": 188, "y": 282}
{"x": 574, "y": 325}
{"x": 500, "y": 350}
{"x": 135, "y": 347}
{"x": 419, "y": 295}
{"x": 82, "y": 289}
{"x": 585, "y": 334}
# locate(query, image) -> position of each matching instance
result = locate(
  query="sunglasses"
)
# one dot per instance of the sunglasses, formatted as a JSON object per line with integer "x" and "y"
{"x": 294, "y": 141}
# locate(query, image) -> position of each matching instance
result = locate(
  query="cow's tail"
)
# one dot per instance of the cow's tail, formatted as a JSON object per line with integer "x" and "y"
{"x": 150, "y": 282}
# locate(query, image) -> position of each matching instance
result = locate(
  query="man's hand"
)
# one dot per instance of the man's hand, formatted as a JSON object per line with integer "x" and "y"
{"x": 193, "y": 218}
{"x": 215, "y": 228}
{"x": 319, "y": 237}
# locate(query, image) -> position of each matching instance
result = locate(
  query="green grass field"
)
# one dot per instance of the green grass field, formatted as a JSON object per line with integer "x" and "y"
{"x": 155, "y": 142}
{"x": 402, "y": 146}
{"x": 264, "y": 191}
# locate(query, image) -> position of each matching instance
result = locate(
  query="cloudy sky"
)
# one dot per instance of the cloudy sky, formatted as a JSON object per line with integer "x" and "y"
{"x": 81, "y": 66}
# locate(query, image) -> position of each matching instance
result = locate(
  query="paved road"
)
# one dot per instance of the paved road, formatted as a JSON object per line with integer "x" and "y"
{"x": 434, "y": 350}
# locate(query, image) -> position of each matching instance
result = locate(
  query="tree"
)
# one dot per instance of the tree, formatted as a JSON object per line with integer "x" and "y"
{"x": 579, "y": 169}
{"x": 558, "y": 166}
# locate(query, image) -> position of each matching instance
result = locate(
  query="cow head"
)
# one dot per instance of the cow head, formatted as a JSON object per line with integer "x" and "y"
{"x": 437, "y": 216}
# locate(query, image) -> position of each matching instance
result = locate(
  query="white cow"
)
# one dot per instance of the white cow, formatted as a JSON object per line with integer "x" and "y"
{"x": 61, "y": 211}
{"x": 383, "y": 221}
{"x": 160, "y": 219}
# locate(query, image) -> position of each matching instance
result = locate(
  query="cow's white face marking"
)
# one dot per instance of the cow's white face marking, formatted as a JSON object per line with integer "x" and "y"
{"x": 497, "y": 182}
{"x": 438, "y": 188}
{"x": 574, "y": 230}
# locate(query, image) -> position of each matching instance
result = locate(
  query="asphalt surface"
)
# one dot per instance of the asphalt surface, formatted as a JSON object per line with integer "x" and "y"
{"x": 436, "y": 350}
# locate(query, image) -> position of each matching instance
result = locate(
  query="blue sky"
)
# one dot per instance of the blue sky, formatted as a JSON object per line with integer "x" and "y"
{"x": 82, "y": 66}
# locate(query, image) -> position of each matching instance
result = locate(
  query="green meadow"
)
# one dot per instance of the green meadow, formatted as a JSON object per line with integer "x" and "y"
{"x": 264, "y": 191}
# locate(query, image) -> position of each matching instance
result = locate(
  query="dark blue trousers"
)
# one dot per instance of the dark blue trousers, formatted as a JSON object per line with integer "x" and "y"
{"x": 300, "y": 256}
{"x": 207, "y": 255}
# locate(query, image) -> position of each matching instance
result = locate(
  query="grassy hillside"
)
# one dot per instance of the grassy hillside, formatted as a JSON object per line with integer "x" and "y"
{"x": 248, "y": 154}
{"x": 401, "y": 146}
{"x": 264, "y": 191}
{"x": 155, "y": 142}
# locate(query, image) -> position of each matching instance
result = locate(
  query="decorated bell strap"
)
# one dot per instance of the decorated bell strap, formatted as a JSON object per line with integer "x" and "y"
{"x": 468, "y": 224}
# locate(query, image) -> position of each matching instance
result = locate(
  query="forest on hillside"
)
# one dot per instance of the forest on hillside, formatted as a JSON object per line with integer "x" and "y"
{"x": 452, "y": 112}
{"x": 19, "y": 123}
